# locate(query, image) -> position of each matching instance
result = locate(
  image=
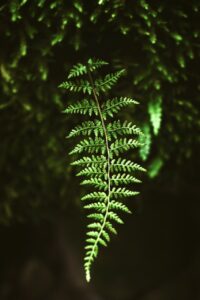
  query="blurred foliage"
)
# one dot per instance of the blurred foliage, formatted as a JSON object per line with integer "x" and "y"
{"x": 158, "y": 44}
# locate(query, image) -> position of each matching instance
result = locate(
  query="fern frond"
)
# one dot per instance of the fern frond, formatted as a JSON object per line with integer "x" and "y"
{"x": 112, "y": 106}
{"x": 82, "y": 107}
{"x": 106, "y": 83}
{"x": 105, "y": 174}
{"x": 77, "y": 86}
{"x": 90, "y": 145}
{"x": 123, "y": 144}
{"x": 87, "y": 128}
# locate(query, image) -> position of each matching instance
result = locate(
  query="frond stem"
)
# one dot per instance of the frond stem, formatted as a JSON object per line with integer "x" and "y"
{"x": 108, "y": 170}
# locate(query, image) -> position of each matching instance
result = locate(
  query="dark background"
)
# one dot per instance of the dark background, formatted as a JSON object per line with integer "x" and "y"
{"x": 42, "y": 225}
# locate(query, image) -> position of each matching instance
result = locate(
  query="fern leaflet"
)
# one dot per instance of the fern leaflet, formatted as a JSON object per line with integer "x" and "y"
{"x": 114, "y": 105}
{"x": 80, "y": 69}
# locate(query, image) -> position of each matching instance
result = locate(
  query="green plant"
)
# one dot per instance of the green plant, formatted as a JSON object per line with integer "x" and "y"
{"x": 103, "y": 168}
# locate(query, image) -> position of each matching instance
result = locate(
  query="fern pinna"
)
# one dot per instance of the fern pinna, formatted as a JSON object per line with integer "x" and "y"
{"x": 104, "y": 141}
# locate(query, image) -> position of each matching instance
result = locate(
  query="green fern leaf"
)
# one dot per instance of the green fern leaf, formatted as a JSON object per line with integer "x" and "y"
{"x": 106, "y": 83}
{"x": 123, "y": 165}
{"x": 90, "y": 145}
{"x": 77, "y": 70}
{"x": 91, "y": 161}
{"x": 82, "y": 107}
{"x": 110, "y": 107}
{"x": 94, "y": 225}
{"x": 96, "y": 182}
{"x": 87, "y": 128}
{"x": 95, "y": 195}
{"x": 110, "y": 227}
{"x": 93, "y": 171}
{"x": 121, "y": 145}
{"x": 80, "y": 69}
{"x": 119, "y": 206}
{"x": 99, "y": 206}
{"x": 105, "y": 174}
{"x": 126, "y": 128}
{"x": 114, "y": 217}
{"x": 77, "y": 86}
{"x": 94, "y": 64}
{"x": 105, "y": 235}
{"x": 96, "y": 216}
{"x": 118, "y": 179}
{"x": 122, "y": 192}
